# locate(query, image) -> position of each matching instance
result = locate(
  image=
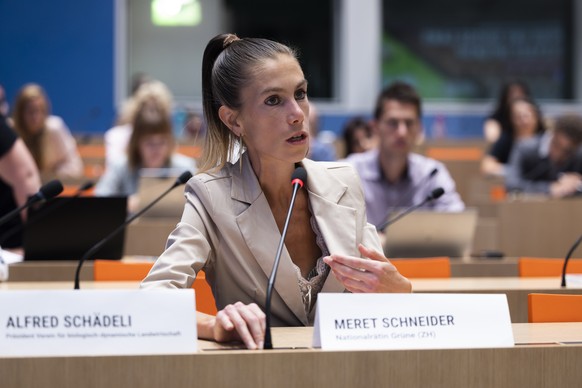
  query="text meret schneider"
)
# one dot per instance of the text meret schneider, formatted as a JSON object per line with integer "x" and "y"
{"x": 386, "y": 322}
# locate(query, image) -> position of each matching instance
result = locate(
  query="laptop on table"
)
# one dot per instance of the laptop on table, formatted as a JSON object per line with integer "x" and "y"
{"x": 429, "y": 233}
{"x": 65, "y": 228}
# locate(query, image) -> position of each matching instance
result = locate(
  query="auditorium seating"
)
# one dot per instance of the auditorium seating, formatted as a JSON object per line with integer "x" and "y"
{"x": 554, "y": 308}
{"x": 546, "y": 267}
{"x": 428, "y": 267}
{"x": 110, "y": 270}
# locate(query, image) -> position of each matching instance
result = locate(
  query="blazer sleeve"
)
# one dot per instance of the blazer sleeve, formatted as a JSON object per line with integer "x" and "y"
{"x": 188, "y": 247}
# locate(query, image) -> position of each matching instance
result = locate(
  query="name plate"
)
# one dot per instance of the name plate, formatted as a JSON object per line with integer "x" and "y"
{"x": 97, "y": 322}
{"x": 411, "y": 321}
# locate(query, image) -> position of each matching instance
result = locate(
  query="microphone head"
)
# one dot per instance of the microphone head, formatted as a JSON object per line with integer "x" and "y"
{"x": 183, "y": 178}
{"x": 436, "y": 193}
{"x": 299, "y": 176}
{"x": 50, "y": 190}
{"x": 86, "y": 186}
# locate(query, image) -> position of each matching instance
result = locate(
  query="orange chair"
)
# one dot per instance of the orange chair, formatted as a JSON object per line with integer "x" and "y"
{"x": 554, "y": 308}
{"x": 497, "y": 193}
{"x": 205, "y": 302}
{"x": 543, "y": 267}
{"x": 91, "y": 151}
{"x": 429, "y": 267}
{"x": 71, "y": 190}
{"x": 455, "y": 153}
{"x": 190, "y": 150}
{"x": 109, "y": 270}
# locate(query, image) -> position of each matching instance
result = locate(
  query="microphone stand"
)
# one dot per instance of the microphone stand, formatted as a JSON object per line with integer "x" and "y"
{"x": 95, "y": 248}
{"x": 86, "y": 186}
{"x": 435, "y": 194}
{"x": 410, "y": 190}
{"x": 299, "y": 176}
{"x": 46, "y": 192}
{"x": 400, "y": 215}
{"x": 572, "y": 249}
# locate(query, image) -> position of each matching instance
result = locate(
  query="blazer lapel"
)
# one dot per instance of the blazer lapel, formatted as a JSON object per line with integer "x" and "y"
{"x": 261, "y": 234}
{"x": 336, "y": 222}
{"x": 257, "y": 225}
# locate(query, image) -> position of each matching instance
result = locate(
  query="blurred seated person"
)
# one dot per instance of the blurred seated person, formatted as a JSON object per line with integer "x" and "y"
{"x": 151, "y": 145}
{"x": 392, "y": 176}
{"x": 19, "y": 179}
{"x": 358, "y": 136}
{"x": 526, "y": 122}
{"x": 549, "y": 164}
{"x": 500, "y": 120}
{"x": 117, "y": 138}
{"x": 193, "y": 129}
{"x": 321, "y": 146}
{"x": 127, "y": 109}
{"x": 47, "y": 137}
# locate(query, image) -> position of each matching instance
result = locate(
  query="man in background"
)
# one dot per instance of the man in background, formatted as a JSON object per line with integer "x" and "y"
{"x": 550, "y": 164}
{"x": 393, "y": 177}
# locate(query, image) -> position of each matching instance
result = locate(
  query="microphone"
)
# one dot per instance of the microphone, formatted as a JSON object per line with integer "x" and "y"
{"x": 183, "y": 178}
{"x": 84, "y": 187}
{"x": 435, "y": 194}
{"x": 46, "y": 192}
{"x": 421, "y": 183}
{"x": 298, "y": 179}
{"x": 572, "y": 249}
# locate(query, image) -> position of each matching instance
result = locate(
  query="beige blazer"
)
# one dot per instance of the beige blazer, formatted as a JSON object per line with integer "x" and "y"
{"x": 228, "y": 230}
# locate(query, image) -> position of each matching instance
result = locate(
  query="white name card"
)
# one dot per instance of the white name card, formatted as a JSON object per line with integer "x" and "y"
{"x": 411, "y": 321}
{"x": 97, "y": 322}
{"x": 574, "y": 280}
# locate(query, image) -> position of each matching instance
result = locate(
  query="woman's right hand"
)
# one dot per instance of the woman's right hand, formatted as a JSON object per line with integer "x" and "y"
{"x": 240, "y": 322}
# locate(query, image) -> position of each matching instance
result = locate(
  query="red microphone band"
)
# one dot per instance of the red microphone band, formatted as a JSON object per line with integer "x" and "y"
{"x": 297, "y": 181}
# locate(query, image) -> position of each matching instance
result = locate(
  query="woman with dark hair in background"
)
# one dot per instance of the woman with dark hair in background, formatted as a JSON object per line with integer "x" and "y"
{"x": 500, "y": 120}
{"x": 358, "y": 136}
{"x": 526, "y": 121}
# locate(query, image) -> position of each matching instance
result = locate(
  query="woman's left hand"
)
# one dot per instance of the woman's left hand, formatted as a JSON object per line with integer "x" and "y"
{"x": 362, "y": 275}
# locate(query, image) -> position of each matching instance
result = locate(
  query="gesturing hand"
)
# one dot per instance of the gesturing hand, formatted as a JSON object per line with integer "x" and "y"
{"x": 373, "y": 273}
